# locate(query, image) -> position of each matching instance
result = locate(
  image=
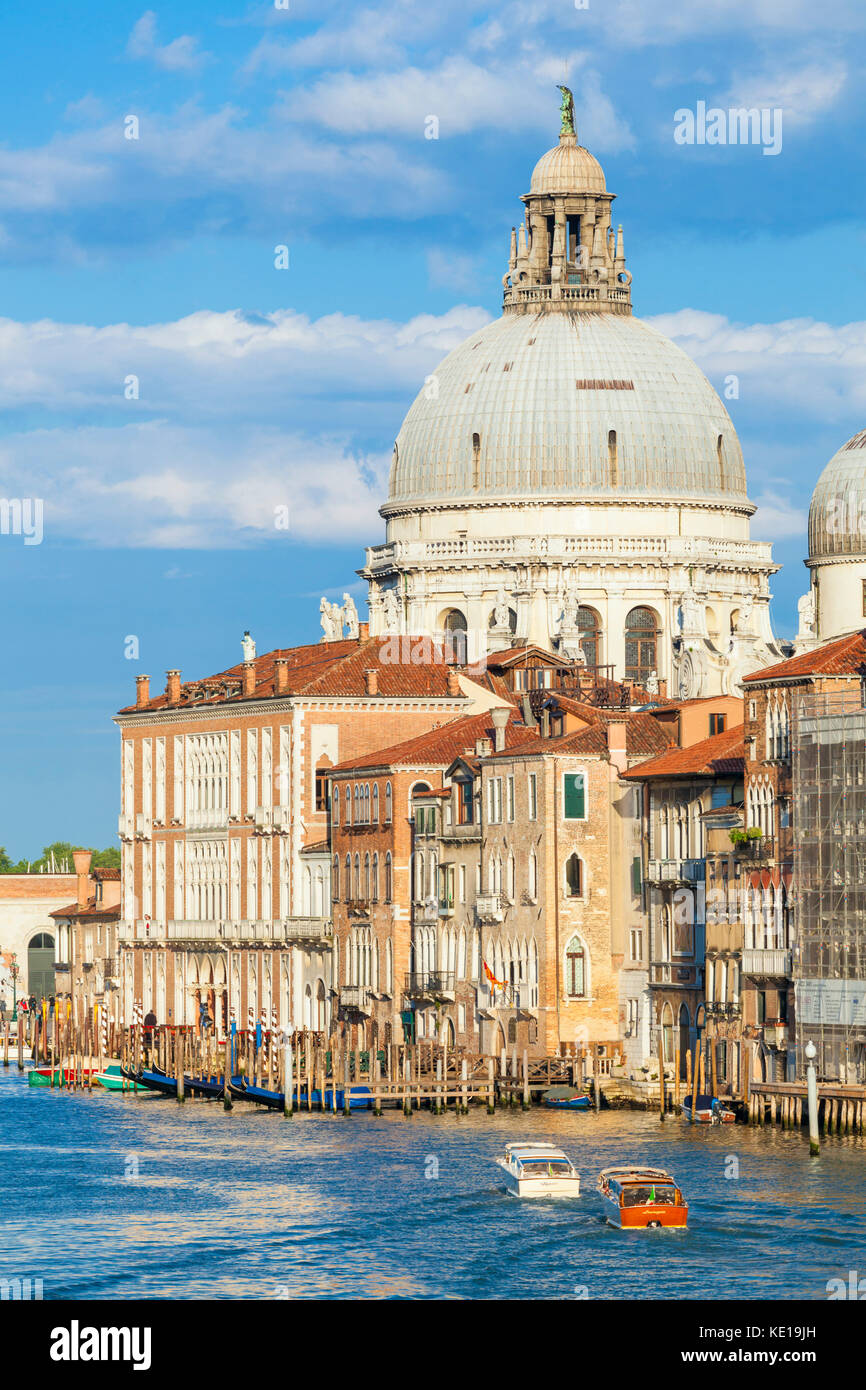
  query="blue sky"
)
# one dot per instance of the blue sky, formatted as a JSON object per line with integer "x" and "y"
{"x": 259, "y": 387}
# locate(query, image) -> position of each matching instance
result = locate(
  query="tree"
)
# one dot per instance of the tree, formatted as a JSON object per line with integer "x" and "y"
{"x": 57, "y": 858}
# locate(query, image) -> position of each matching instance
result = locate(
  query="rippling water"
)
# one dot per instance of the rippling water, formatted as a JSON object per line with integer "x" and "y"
{"x": 119, "y": 1196}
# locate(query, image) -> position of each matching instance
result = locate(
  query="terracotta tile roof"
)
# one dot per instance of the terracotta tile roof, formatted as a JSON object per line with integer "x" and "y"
{"x": 107, "y": 875}
{"x": 317, "y": 847}
{"x": 91, "y": 912}
{"x": 723, "y": 752}
{"x": 438, "y": 793}
{"x": 512, "y": 656}
{"x": 842, "y": 657}
{"x": 644, "y": 737}
{"x": 438, "y": 747}
{"x": 327, "y": 668}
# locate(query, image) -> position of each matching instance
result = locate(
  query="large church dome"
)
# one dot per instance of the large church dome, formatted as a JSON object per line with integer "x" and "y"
{"x": 568, "y": 478}
{"x": 566, "y": 405}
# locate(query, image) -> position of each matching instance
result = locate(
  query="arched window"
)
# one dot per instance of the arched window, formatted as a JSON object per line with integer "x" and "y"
{"x": 374, "y": 886}
{"x": 335, "y": 889}
{"x": 590, "y": 635}
{"x": 367, "y": 803}
{"x": 612, "y": 462}
{"x": 389, "y": 883}
{"x": 389, "y": 803}
{"x": 641, "y": 645}
{"x": 574, "y": 877}
{"x": 575, "y": 969}
{"x": 358, "y": 811}
{"x": 532, "y": 876}
{"x": 335, "y": 808}
{"x": 419, "y": 877}
{"x": 366, "y": 878}
{"x": 348, "y": 888}
{"x": 476, "y": 460}
{"x": 376, "y": 801}
{"x": 348, "y": 804}
{"x": 455, "y": 637}
{"x": 357, "y": 893}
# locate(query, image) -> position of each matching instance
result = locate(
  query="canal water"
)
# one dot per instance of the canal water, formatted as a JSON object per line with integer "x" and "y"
{"x": 122, "y": 1196}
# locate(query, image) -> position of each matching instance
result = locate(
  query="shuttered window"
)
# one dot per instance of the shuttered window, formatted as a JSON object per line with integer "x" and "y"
{"x": 574, "y": 795}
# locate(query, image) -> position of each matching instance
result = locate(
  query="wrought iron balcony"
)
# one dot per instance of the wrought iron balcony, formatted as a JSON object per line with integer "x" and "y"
{"x": 431, "y": 984}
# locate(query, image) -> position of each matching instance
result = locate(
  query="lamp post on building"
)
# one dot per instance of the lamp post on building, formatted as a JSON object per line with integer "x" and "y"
{"x": 812, "y": 1097}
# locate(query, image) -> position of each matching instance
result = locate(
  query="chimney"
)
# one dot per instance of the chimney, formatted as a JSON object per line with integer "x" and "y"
{"x": 483, "y": 748}
{"x": 142, "y": 690}
{"x": 172, "y": 687}
{"x": 371, "y": 682}
{"x": 453, "y": 679}
{"x": 81, "y": 859}
{"x": 616, "y": 742}
{"x": 545, "y": 722}
{"x": 528, "y": 717}
{"x": 281, "y": 676}
{"x": 249, "y": 678}
{"x": 363, "y": 632}
{"x": 500, "y": 718}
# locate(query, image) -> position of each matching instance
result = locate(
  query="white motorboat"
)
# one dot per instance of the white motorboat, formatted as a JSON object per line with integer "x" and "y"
{"x": 539, "y": 1170}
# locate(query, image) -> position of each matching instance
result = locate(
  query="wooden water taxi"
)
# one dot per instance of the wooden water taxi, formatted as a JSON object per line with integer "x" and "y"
{"x": 640, "y": 1198}
{"x": 539, "y": 1170}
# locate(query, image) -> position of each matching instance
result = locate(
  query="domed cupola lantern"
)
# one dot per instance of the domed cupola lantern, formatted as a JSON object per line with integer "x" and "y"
{"x": 566, "y": 255}
{"x": 568, "y": 477}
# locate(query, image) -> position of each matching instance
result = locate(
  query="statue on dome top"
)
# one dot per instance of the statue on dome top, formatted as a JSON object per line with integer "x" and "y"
{"x": 566, "y": 108}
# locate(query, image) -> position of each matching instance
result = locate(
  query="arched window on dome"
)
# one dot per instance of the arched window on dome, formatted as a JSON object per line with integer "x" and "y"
{"x": 590, "y": 635}
{"x": 476, "y": 460}
{"x": 641, "y": 645}
{"x": 455, "y": 637}
{"x": 720, "y": 456}
{"x": 612, "y": 459}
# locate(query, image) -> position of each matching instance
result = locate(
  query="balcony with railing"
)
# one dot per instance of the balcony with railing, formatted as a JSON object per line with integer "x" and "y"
{"x": 312, "y": 931}
{"x": 756, "y": 851}
{"x": 463, "y": 831}
{"x": 775, "y": 1034}
{"x": 767, "y": 965}
{"x": 488, "y": 907}
{"x": 438, "y": 985}
{"x": 358, "y": 998}
{"x": 672, "y": 872}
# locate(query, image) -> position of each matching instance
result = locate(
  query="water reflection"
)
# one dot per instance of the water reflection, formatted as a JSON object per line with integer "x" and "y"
{"x": 127, "y": 1196}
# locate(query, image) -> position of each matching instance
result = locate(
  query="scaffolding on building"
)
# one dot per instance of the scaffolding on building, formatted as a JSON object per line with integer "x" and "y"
{"x": 829, "y": 794}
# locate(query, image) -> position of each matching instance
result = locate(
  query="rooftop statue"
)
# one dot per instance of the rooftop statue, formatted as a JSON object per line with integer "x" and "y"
{"x": 566, "y": 107}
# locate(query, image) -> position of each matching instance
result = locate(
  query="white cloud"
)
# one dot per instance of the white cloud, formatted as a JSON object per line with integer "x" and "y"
{"x": 181, "y": 55}
{"x": 803, "y": 93}
{"x": 778, "y": 519}
{"x": 237, "y": 415}
{"x": 463, "y": 95}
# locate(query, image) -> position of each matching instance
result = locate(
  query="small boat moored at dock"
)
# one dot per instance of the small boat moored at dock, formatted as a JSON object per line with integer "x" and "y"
{"x": 708, "y": 1110}
{"x": 639, "y": 1198}
{"x": 565, "y": 1098}
{"x": 539, "y": 1170}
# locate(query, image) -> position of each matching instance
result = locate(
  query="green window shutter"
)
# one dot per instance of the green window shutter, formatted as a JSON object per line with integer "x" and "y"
{"x": 636, "y": 877}
{"x": 575, "y": 798}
